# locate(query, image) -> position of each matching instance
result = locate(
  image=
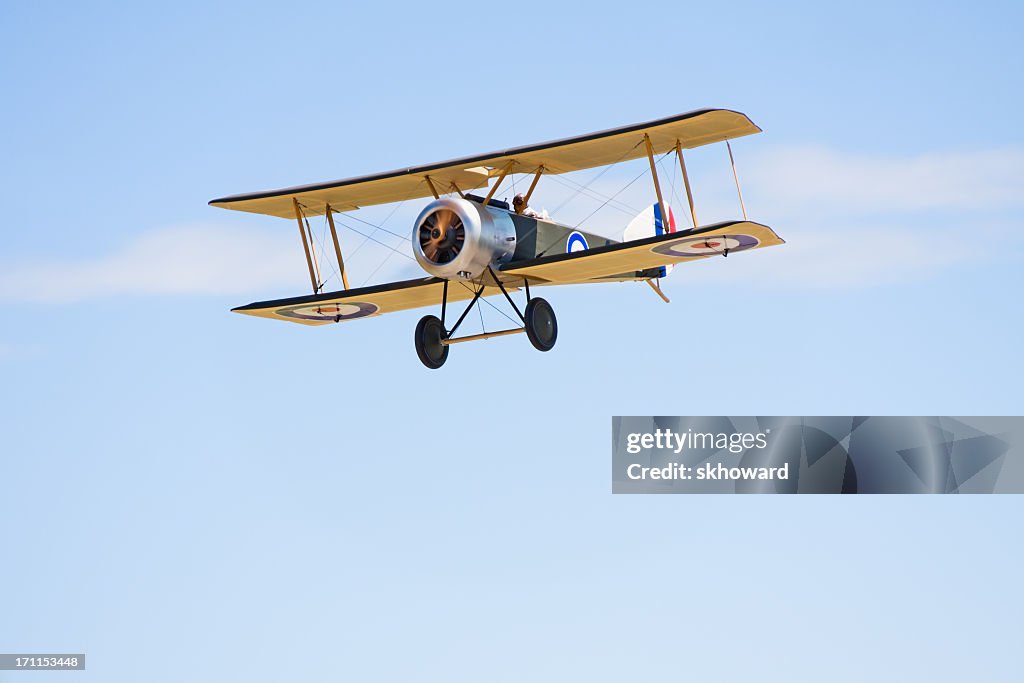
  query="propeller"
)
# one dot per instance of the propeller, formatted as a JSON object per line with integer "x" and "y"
{"x": 442, "y": 236}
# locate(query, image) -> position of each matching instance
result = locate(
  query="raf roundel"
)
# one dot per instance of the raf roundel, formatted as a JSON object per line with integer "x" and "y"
{"x": 576, "y": 242}
{"x": 697, "y": 247}
{"x": 330, "y": 312}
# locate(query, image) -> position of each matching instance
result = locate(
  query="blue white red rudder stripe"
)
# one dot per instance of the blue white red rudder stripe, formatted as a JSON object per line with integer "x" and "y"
{"x": 649, "y": 223}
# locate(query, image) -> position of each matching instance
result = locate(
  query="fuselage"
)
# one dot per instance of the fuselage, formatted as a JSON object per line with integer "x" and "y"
{"x": 463, "y": 237}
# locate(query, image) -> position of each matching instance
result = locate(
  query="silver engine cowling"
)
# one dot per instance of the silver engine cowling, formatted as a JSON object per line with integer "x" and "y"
{"x": 456, "y": 238}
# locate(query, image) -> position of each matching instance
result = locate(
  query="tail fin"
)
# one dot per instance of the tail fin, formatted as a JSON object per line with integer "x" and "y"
{"x": 649, "y": 223}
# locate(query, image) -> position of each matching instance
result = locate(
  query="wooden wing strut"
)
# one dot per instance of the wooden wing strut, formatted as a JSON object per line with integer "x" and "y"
{"x": 305, "y": 245}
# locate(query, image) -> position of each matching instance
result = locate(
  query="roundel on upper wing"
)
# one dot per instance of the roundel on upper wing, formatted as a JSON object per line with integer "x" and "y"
{"x": 576, "y": 242}
{"x": 336, "y": 312}
{"x": 706, "y": 246}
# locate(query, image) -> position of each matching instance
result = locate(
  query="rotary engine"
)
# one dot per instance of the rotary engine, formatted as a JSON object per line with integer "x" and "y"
{"x": 457, "y": 238}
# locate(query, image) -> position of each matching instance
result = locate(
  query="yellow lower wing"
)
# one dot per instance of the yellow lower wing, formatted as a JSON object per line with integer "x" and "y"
{"x": 719, "y": 239}
{"x": 321, "y": 309}
{"x": 625, "y": 260}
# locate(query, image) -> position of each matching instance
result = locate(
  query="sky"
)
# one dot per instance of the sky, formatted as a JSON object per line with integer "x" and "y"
{"x": 190, "y": 494}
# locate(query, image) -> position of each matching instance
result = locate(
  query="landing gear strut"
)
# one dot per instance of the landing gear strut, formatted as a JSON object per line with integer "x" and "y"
{"x": 433, "y": 338}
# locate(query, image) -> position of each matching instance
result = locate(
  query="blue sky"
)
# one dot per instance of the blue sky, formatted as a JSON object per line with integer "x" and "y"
{"x": 236, "y": 498}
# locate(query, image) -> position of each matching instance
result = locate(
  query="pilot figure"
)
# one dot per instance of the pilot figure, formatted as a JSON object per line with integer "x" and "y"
{"x": 523, "y": 209}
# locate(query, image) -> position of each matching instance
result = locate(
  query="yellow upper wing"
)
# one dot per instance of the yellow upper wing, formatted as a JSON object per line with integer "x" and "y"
{"x": 603, "y": 148}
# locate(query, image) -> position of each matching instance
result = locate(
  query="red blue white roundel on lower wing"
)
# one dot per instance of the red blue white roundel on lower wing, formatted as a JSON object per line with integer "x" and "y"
{"x": 330, "y": 312}
{"x": 697, "y": 247}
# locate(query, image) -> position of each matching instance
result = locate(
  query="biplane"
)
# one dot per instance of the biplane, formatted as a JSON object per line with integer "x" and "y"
{"x": 474, "y": 246}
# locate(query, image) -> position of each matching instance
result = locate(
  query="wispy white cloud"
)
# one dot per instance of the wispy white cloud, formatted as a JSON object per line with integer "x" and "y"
{"x": 858, "y": 258}
{"x": 794, "y": 182}
{"x": 811, "y": 178}
{"x": 850, "y": 220}
{"x": 857, "y": 220}
{"x": 198, "y": 259}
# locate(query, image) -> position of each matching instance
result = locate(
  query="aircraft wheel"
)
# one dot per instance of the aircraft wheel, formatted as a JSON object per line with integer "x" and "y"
{"x": 429, "y": 333}
{"x": 541, "y": 325}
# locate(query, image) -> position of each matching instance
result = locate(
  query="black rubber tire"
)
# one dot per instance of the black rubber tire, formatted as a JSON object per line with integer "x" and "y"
{"x": 541, "y": 324}
{"x": 429, "y": 333}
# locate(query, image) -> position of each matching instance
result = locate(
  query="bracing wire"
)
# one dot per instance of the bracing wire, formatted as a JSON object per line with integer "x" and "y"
{"x": 624, "y": 188}
{"x": 366, "y": 239}
{"x": 314, "y": 261}
{"x": 621, "y": 190}
{"x": 673, "y": 197}
{"x": 596, "y": 177}
{"x": 381, "y": 226}
{"x": 594, "y": 194}
{"x": 379, "y": 266}
{"x": 480, "y": 312}
{"x": 372, "y": 239}
{"x": 322, "y": 239}
{"x": 469, "y": 289}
